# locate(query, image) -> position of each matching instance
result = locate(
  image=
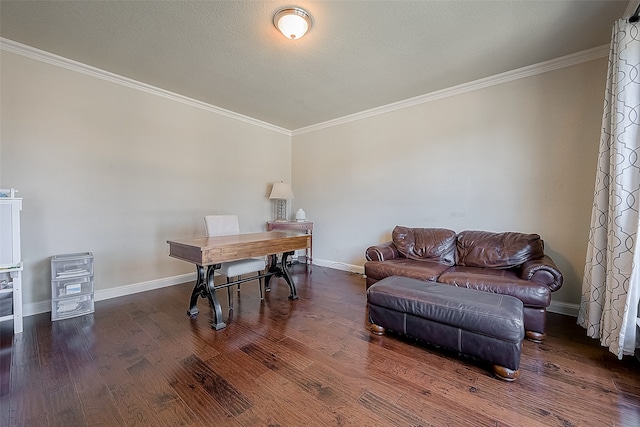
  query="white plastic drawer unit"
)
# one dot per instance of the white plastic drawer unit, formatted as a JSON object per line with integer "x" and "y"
{"x": 71, "y": 285}
{"x": 10, "y": 232}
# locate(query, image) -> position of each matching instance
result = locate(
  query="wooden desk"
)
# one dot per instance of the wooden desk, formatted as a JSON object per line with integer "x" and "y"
{"x": 306, "y": 226}
{"x": 210, "y": 252}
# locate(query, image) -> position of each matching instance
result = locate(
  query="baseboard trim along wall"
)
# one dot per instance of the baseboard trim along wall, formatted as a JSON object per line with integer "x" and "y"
{"x": 356, "y": 269}
{"x": 120, "y": 291}
{"x": 564, "y": 308}
{"x": 555, "y": 307}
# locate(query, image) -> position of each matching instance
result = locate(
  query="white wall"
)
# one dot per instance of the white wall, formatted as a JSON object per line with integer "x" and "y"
{"x": 518, "y": 156}
{"x": 117, "y": 171}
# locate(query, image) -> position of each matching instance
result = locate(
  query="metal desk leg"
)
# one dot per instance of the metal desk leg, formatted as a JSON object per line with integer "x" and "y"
{"x": 271, "y": 268}
{"x": 213, "y": 299}
{"x": 280, "y": 271}
{"x": 287, "y": 276}
{"x": 204, "y": 288}
{"x": 198, "y": 290}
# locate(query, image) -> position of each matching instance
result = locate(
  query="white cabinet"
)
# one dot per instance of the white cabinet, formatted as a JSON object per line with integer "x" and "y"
{"x": 71, "y": 285}
{"x": 10, "y": 259}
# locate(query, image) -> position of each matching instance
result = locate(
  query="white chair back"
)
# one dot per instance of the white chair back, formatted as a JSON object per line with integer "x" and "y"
{"x": 221, "y": 225}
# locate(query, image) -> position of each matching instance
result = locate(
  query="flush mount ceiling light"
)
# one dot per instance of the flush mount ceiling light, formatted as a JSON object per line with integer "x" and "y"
{"x": 293, "y": 22}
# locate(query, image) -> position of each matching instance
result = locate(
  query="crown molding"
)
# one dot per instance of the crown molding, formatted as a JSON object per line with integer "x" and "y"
{"x": 59, "y": 61}
{"x": 520, "y": 73}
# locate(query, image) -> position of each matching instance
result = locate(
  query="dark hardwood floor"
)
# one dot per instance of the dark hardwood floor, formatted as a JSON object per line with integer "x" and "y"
{"x": 140, "y": 360}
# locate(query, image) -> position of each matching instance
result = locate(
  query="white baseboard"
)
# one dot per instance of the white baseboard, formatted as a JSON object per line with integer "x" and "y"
{"x": 36, "y": 308}
{"x": 564, "y": 308}
{"x": 120, "y": 291}
{"x": 567, "y": 309}
{"x": 359, "y": 269}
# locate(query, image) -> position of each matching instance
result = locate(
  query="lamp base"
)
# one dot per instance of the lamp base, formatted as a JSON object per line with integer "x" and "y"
{"x": 281, "y": 210}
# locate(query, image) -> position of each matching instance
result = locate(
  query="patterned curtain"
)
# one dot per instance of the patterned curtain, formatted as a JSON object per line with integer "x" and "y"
{"x": 611, "y": 284}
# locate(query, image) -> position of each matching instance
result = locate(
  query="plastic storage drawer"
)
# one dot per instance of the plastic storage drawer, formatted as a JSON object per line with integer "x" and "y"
{"x": 72, "y": 287}
{"x": 71, "y": 307}
{"x": 71, "y": 265}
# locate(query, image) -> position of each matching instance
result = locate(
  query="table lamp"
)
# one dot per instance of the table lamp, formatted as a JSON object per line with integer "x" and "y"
{"x": 281, "y": 192}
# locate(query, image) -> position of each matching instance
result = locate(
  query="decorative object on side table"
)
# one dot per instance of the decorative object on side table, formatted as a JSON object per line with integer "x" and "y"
{"x": 281, "y": 192}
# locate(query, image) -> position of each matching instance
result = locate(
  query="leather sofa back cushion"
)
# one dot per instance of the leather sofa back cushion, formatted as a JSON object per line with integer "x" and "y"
{"x": 432, "y": 244}
{"x": 497, "y": 250}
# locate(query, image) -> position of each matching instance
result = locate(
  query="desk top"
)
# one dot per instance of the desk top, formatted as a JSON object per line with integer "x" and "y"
{"x": 214, "y": 250}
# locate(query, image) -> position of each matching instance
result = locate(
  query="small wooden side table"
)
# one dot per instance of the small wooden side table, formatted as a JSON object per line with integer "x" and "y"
{"x": 306, "y": 226}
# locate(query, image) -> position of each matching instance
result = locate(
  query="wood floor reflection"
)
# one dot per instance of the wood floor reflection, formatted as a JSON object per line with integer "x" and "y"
{"x": 140, "y": 360}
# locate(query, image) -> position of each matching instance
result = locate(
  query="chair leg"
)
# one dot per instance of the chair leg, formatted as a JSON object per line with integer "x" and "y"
{"x": 229, "y": 295}
{"x": 260, "y": 287}
{"x": 239, "y": 283}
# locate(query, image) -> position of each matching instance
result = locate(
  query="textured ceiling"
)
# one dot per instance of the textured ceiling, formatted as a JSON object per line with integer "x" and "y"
{"x": 358, "y": 55}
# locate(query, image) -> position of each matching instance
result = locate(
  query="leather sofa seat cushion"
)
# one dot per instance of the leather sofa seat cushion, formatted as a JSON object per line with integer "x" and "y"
{"x": 432, "y": 244}
{"x": 504, "y": 282}
{"x": 497, "y": 250}
{"x": 422, "y": 270}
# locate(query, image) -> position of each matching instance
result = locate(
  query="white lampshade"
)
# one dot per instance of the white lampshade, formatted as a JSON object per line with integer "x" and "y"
{"x": 293, "y": 22}
{"x": 281, "y": 190}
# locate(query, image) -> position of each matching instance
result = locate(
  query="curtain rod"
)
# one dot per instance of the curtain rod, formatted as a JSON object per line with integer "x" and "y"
{"x": 635, "y": 17}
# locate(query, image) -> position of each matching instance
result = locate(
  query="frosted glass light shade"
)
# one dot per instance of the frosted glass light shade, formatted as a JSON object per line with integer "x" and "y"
{"x": 293, "y": 22}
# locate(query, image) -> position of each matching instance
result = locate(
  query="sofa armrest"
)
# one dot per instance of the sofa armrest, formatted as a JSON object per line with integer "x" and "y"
{"x": 542, "y": 270}
{"x": 382, "y": 252}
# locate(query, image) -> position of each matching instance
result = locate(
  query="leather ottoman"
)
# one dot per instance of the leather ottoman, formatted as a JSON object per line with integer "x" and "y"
{"x": 481, "y": 324}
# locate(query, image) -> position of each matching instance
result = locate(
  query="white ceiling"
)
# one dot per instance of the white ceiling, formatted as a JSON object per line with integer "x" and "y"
{"x": 358, "y": 55}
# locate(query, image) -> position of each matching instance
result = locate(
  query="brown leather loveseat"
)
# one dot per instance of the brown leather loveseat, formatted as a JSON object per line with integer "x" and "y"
{"x": 504, "y": 263}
